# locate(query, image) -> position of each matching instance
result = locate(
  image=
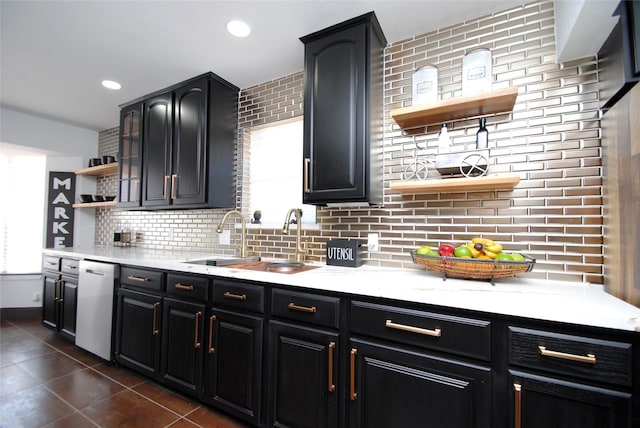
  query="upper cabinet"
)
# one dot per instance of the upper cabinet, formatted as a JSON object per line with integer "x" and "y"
{"x": 343, "y": 113}
{"x": 184, "y": 146}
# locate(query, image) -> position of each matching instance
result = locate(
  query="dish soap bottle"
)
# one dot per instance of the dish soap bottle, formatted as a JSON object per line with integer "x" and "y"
{"x": 482, "y": 136}
{"x": 443, "y": 139}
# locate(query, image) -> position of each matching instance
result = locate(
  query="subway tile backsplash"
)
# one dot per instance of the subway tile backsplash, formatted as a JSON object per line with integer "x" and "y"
{"x": 551, "y": 139}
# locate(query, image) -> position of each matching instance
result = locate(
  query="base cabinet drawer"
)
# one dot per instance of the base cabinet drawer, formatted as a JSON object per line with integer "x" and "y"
{"x": 543, "y": 402}
{"x": 390, "y": 387}
{"x": 584, "y": 357}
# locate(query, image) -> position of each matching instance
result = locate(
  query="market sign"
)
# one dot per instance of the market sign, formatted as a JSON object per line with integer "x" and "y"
{"x": 62, "y": 190}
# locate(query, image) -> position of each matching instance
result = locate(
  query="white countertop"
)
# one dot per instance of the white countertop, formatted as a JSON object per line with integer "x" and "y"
{"x": 567, "y": 302}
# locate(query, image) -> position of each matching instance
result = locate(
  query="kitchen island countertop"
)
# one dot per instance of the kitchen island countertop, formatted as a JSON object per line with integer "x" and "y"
{"x": 559, "y": 301}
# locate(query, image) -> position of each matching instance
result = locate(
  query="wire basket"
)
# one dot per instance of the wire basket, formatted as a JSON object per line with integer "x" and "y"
{"x": 455, "y": 267}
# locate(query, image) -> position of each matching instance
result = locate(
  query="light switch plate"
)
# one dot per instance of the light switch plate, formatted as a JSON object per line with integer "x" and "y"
{"x": 225, "y": 237}
{"x": 372, "y": 242}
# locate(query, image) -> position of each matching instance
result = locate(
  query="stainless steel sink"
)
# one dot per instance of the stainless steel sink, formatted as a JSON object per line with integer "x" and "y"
{"x": 224, "y": 260}
{"x": 284, "y": 267}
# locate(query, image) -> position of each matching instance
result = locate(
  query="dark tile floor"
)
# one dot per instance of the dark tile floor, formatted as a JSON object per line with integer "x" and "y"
{"x": 46, "y": 381}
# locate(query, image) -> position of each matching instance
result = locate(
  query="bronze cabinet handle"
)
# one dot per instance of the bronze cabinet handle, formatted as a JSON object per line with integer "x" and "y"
{"x": 52, "y": 263}
{"x": 174, "y": 177}
{"x": 137, "y": 278}
{"x": 137, "y": 192}
{"x": 212, "y": 318}
{"x": 436, "y": 332}
{"x": 308, "y": 309}
{"x": 332, "y": 347}
{"x": 234, "y": 296}
{"x": 196, "y": 342}
{"x": 352, "y": 375}
{"x": 183, "y": 287}
{"x": 155, "y": 316}
{"x": 165, "y": 195}
{"x": 70, "y": 267}
{"x": 589, "y": 358}
{"x": 307, "y": 164}
{"x": 518, "y": 405}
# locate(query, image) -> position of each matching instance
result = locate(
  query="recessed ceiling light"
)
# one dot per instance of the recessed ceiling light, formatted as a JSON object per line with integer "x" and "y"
{"x": 110, "y": 84}
{"x": 238, "y": 28}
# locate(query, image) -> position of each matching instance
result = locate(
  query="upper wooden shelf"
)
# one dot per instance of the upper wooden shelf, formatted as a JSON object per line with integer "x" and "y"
{"x": 109, "y": 168}
{"x": 450, "y": 109}
{"x": 107, "y": 204}
{"x": 459, "y": 184}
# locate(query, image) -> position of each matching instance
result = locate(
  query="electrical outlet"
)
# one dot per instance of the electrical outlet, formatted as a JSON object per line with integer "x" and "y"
{"x": 225, "y": 237}
{"x": 372, "y": 242}
{"x": 36, "y": 297}
{"x": 170, "y": 234}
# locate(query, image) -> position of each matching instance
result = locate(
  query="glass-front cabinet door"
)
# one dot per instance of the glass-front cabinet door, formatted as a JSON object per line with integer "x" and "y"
{"x": 130, "y": 156}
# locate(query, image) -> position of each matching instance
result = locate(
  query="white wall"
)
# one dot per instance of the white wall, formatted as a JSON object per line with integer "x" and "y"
{"x": 67, "y": 148}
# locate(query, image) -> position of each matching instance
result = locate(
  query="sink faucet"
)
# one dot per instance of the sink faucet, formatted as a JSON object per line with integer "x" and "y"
{"x": 300, "y": 252}
{"x": 243, "y": 238}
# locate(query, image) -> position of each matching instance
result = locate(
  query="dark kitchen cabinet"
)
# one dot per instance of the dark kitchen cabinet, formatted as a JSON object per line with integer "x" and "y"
{"x": 303, "y": 376}
{"x": 59, "y": 295}
{"x": 234, "y": 352}
{"x": 343, "y": 113}
{"x": 138, "y": 332}
{"x": 130, "y": 156}
{"x": 188, "y": 141}
{"x": 542, "y": 402}
{"x": 182, "y": 345}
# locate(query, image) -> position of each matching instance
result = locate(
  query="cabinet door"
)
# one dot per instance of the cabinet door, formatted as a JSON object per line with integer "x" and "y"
{"x": 182, "y": 337}
{"x": 335, "y": 116}
{"x": 138, "y": 332}
{"x": 50, "y": 291}
{"x": 303, "y": 377}
{"x": 390, "y": 387}
{"x": 130, "y": 162}
{"x": 189, "y": 175}
{"x": 234, "y": 364}
{"x": 68, "y": 304}
{"x": 156, "y": 156}
{"x": 543, "y": 402}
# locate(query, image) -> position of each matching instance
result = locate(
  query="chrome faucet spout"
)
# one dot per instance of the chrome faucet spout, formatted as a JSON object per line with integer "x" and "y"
{"x": 243, "y": 237}
{"x": 300, "y": 252}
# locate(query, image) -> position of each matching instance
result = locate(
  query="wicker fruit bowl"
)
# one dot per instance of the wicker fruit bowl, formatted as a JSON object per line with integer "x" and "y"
{"x": 455, "y": 267}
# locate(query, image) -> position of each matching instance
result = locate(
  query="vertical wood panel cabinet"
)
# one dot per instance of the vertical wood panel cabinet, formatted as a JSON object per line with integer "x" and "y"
{"x": 188, "y": 144}
{"x": 130, "y": 151}
{"x": 59, "y": 295}
{"x": 343, "y": 113}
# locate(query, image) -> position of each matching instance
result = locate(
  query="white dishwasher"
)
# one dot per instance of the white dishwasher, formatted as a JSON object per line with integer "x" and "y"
{"x": 94, "y": 313}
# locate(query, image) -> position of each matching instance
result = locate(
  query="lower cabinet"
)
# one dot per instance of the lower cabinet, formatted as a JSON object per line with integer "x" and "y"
{"x": 138, "y": 321}
{"x": 304, "y": 376}
{"x": 182, "y": 345}
{"x": 59, "y": 295}
{"x": 233, "y": 375}
{"x": 543, "y": 402}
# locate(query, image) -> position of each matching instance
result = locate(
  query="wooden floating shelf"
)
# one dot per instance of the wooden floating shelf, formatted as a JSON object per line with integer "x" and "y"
{"x": 451, "y": 109}
{"x": 460, "y": 184}
{"x": 110, "y": 168}
{"x": 108, "y": 204}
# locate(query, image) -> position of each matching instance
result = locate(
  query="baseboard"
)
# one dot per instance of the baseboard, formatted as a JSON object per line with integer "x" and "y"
{"x": 21, "y": 313}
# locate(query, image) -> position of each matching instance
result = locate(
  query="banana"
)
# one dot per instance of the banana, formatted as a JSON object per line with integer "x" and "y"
{"x": 474, "y": 253}
{"x": 488, "y": 245}
{"x": 489, "y": 254}
{"x": 495, "y": 248}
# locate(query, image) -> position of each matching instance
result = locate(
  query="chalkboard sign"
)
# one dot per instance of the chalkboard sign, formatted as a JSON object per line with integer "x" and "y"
{"x": 62, "y": 190}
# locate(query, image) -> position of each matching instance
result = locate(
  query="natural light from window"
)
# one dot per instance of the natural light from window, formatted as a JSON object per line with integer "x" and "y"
{"x": 276, "y": 173}
{"x": 22, "y": 192}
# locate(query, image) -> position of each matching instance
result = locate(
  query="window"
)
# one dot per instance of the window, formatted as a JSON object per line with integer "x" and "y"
{"x": 22, "y": 192}
{"x": 275, "y": 167}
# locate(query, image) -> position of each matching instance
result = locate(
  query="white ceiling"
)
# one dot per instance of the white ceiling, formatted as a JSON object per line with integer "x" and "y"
{"x": 55, "y": 53}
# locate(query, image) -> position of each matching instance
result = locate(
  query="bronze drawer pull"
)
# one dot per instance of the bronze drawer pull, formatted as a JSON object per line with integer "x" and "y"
{"x": 70, "y": 267}
{"x": 52, "y": 263}
{"x": 518, "y": 405}
{"x": 212, "y": 318}
{"x": 332, "y": 386}
{"x": 137, "y": 278}
{"x": 184, "y": 287}
{"x": 589, "y": 358}
{"x": 352, "y": 375}
{"x": 155, "y": 316}
{"x": 310, "y": 310}
{"x": 436, "y": 332}
{"x": 234, "y": 296}
{"x": 196, "y": 342}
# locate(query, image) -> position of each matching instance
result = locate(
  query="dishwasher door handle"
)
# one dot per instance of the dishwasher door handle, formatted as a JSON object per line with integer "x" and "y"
{"x": 91, "y": 271}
